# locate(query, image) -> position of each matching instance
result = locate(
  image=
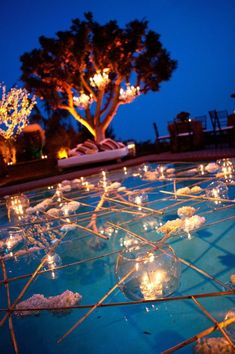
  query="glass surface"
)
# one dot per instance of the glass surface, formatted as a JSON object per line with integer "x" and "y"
{"x": 89, "y": 245}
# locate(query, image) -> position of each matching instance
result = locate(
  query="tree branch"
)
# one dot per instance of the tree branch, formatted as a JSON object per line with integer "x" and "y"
{"x": 87, "y": 87}
{"x": 98, "y": 106}
{"x": 114, "y": 107}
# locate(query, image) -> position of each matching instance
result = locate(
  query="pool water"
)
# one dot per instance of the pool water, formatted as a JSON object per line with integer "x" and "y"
{"x": 207, "y": 260}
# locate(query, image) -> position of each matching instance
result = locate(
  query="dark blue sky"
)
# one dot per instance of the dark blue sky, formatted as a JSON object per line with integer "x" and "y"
{"x": 197, "y": 33}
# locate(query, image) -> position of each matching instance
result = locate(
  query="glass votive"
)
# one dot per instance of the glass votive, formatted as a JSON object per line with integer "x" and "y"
{"x": 16, "y": 207}
{"x": 154, "y": 272}
{"x": 11, "y": 240}
{"x": 217, "y": 194}
{"x": 138, "y": 197}
{"x": 52, "y": 262}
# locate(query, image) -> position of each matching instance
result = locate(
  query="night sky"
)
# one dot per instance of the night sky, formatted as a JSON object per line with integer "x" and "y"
{"x": 198, "y": 34}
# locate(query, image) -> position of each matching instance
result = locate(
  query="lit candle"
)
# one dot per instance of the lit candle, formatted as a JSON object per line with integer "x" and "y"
{"x": 151, "y": 285}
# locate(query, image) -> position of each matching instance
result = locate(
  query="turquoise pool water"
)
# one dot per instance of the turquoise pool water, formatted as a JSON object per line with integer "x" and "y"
{"x": 207, "y": 259}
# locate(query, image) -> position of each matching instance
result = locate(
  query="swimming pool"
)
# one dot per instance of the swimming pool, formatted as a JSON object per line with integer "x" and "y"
{"x": 76, "y": 235}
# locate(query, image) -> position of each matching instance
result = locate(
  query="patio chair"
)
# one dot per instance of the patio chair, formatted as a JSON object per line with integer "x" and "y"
{"x": 222, "y": 131}
{"x": 162, "y": 141}
{"x": 181, "y": 136}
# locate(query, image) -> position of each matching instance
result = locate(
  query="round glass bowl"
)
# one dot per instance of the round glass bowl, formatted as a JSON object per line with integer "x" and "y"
{"x": 154, "y": 272}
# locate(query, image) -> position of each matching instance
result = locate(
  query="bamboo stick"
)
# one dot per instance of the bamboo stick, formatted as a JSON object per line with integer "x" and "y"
{"x": 43, "y": 261}
{"x": 221, "y": 329}
{"x": 199, "y": 197}
{"x": 200, "y": 335}
{"x": 10, "y": 321}
{"x": 82, "y": 319}
{"x": 96, "y": 305}
{"x": 20, "y": 277}
{"x": 128, "y": 303}
{"x": 134, "y": 205}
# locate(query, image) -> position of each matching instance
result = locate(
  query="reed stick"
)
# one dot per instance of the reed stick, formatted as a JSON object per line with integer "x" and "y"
{"x": 134, "y": 205}
{"x": 33, "y": 276}
{"x": 96, "y": 305}
{"x": 82, "y": 319}
{"x": 199, "y": 197}
{"x": 128, "y": 303}
{"x": 10, "y": 321}
{"x": 200, "y": 335}
{"x": 221, "y": 329}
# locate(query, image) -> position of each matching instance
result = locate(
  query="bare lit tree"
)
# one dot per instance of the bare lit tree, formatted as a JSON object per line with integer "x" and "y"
{"x": 92, "y": 69}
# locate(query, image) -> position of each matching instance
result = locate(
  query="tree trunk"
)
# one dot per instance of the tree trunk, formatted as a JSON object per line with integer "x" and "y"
{"x": 99, "y": 134}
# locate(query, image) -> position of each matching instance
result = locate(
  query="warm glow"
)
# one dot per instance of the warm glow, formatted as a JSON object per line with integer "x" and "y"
{"x": 152, "y": 284}
{"x": 83, "y": 101}
{"x": 62, "y": 153}
{"x": 15, "y": 108}
{"x": 100, "y": 79}
{"x": 129, "y": 94}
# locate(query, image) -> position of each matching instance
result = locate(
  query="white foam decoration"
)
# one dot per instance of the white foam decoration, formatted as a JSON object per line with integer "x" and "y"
{"x": 121, "y": 189}
{"x": 65, "y": 188}
{"x": 114, "y": 185}
{"x": 150, "y": 175}
{"x": 66, "y": 299}
{"x": 213, "y": 346}
{"x": 196, "y": 189}
{"x": 170, "y": 171}
{"x": 212, "y": 167}
{"x": 76, "y": 181}
{"x": 53, "y": 212}
{"x": 186, "y": 211}
{"x": 72, "y": 206}
{"x": 22, "y": 252}
{"x": 68, "y": 227}
{"x": 187, "y": 190}
{"x": 184, "y": 190}
{"x": 171, "y": 226}
{"x": 66, "y": 182}
{"x": 40, "y": 206}
{"x": 193, "y": 223}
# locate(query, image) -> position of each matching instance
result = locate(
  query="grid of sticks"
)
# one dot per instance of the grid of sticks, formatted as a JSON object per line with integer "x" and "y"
{"x": 95, "y": 201}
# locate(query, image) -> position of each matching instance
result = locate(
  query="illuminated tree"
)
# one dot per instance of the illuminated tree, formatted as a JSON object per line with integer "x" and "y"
{"x": 92, "y": 69}
{"x": 15, "y": 108}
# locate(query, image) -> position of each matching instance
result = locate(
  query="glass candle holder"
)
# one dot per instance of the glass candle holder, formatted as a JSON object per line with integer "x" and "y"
{"x": 217, "y": 194}
{"x": 12, "y": 239}
{"x": 16, "y": 208}
{"x": 155, "y": 272}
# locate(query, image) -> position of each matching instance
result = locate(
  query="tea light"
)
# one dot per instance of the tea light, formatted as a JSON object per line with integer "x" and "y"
{"x": 216, "y": 193}
{"x": 52, "y": 262}
{"x": 125, "y": 170}
{"x": 152, "y": 284}
{"x": 16, "y": 207}
{"x": 201, "y": 169}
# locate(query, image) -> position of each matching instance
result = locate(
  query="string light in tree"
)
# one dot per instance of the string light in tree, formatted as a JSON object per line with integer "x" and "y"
{"x": 100, "y": 79}
{"x": 15, "y": 108}
{"x": 129, "y": 94}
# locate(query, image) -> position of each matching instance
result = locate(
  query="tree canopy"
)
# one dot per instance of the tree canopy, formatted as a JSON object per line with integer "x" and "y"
{"x": 91, "y": 69}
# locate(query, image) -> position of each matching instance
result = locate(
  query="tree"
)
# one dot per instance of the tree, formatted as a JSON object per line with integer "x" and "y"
{"x": 91, "y": 69}
{"x": 15, "y": 108}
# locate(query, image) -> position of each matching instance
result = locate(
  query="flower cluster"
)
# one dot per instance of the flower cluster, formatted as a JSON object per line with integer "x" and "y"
{"x": 15, "y": 108}
{"x": 213, "y": 346}
{"x": 37, "y": 301}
